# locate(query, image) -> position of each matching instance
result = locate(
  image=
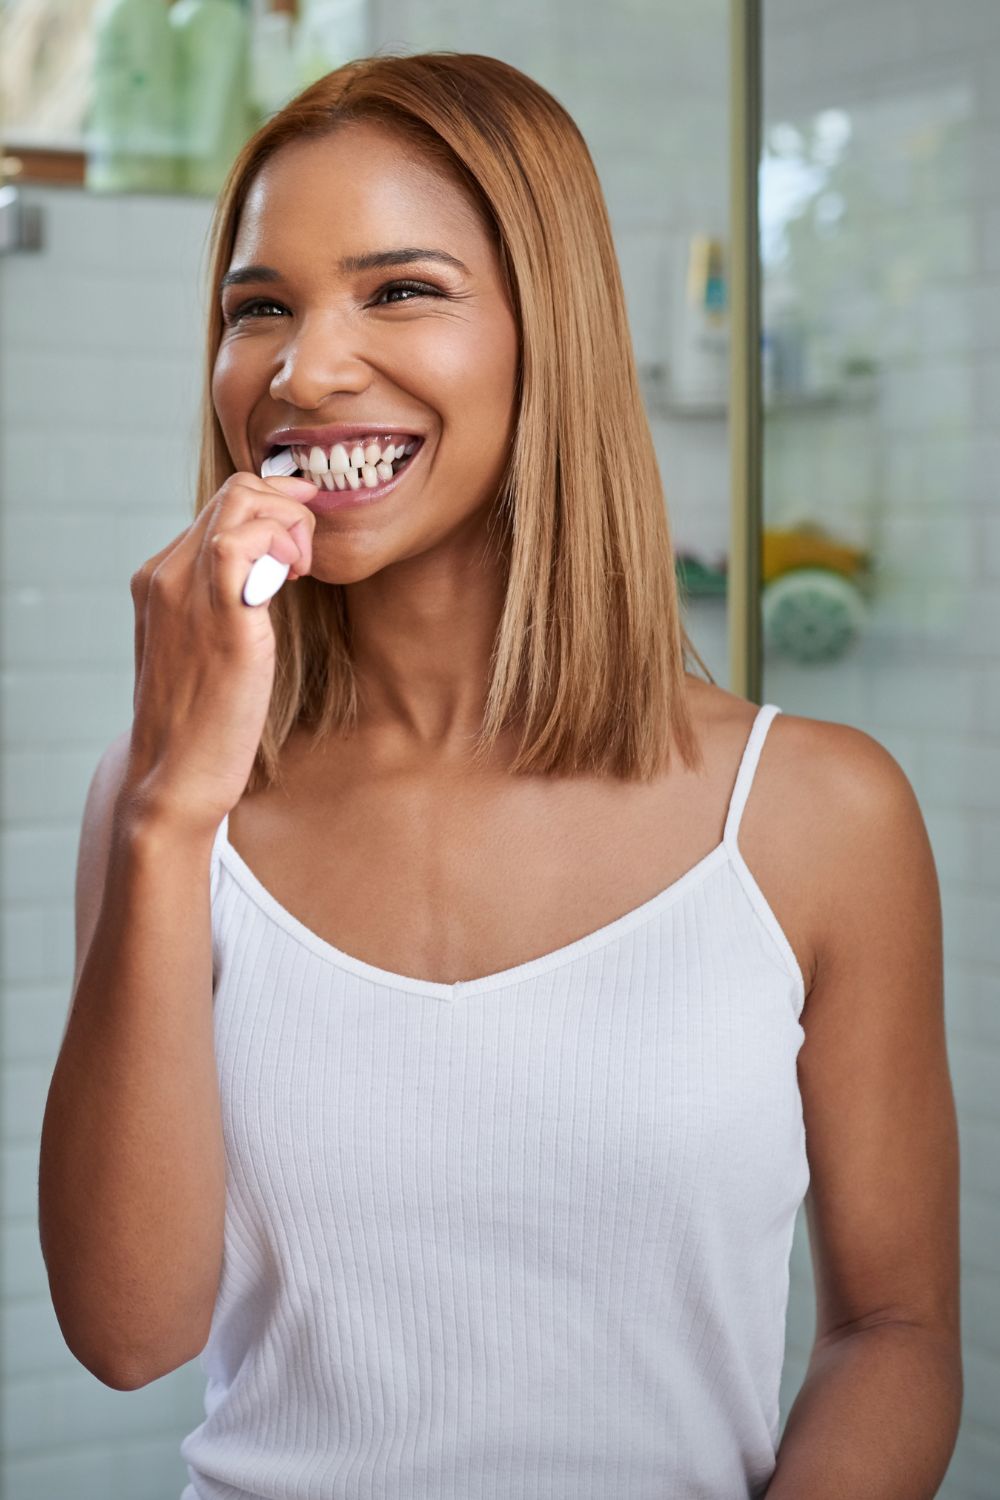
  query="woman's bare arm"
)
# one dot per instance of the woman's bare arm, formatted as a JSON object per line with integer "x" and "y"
{"x": 879, "y": 1410}
{"x": 132, "y": 1166}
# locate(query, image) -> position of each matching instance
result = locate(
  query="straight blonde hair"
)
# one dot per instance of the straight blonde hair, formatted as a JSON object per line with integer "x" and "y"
{"x": 589, "y": 655}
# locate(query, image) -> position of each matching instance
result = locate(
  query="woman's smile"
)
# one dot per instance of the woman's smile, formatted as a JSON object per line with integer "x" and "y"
{"x": 357, "y": 484}
{"x": 353, "y": 463}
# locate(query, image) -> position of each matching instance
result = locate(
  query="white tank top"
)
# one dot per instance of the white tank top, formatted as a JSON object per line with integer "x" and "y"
{"x": 523, "y": 1237}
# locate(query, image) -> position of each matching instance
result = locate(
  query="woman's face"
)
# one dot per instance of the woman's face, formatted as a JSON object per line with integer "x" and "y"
{"x": 419, "y": 346}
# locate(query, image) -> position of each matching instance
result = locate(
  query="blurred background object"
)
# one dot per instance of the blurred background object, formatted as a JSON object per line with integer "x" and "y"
{"x": 875, "y": 585}
{"x": 46, "y": 65}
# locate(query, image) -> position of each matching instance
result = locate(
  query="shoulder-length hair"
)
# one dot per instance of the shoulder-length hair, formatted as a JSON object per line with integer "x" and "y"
{"x": 589, "y": 654}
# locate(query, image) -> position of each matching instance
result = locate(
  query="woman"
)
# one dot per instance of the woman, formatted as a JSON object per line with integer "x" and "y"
{"x": 478, "y": 1175}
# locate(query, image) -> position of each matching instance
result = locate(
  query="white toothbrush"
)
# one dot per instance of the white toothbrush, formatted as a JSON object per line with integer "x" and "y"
{"x": 268, "y": 574}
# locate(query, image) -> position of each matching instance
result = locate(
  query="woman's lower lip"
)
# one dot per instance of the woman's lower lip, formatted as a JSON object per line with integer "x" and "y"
{"x": 326, "y": 500}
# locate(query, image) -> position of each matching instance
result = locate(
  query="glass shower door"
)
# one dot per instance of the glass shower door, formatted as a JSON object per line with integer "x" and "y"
{"x": 880, "y": 245}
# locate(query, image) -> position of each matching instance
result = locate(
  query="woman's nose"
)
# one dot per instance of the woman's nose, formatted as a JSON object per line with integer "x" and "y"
{"x": 315, "y": 364}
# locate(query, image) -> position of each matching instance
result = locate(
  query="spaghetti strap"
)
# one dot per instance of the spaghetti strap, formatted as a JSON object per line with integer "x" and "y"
{"x": 748, "y": 765}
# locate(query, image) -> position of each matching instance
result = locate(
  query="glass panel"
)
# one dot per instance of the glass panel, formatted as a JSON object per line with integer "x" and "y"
{"x": 880, "y": 238}
{"x": 100, "y": 372}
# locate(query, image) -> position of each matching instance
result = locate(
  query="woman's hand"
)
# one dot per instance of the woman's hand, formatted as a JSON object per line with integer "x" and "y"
{"x": 204, "y": 661}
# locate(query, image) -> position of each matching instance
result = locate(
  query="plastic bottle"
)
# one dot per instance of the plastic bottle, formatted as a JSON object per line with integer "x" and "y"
{"x": 767, "y": 367}
{"x": 700, "y": 372}
{"x": 274, "y": 70}
{"x": 330, "y": 33}
{"x": 213, "y": 41}
{"x": 788, "y": 331}
{"x": 132, "y": 121}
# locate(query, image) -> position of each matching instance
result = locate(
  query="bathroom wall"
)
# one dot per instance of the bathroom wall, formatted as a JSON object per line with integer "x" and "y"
{"x": 99, "y": 375}
{"x": 883, "y": 130}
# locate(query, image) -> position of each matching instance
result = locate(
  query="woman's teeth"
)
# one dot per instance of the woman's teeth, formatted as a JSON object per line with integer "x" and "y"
{"x": 365, "y": 463}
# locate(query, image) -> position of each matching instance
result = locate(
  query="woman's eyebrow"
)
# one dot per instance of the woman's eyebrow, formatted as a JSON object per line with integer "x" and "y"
{"x": 372, "y": 260}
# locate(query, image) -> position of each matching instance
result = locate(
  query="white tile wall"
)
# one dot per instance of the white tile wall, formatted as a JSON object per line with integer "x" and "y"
{"x": 921, "y": 242}
{"x": 101, "y": 343}
{"x": 99, "y": 372}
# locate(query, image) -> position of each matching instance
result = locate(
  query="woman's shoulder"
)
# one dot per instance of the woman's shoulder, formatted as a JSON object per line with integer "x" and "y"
{"x": 824, "y": 793}
{"x": 818, "y": 756}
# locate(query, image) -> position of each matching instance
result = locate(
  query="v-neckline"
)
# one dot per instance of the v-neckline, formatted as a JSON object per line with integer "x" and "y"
{"x": 567, "y": 953}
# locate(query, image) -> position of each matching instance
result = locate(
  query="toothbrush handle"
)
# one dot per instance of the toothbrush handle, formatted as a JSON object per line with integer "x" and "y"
{"x": 264, "y": 579}
{"x": 268, "y": 574}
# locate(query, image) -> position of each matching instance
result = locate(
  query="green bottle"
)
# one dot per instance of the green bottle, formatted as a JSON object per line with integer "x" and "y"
{"x": 131, "y": 124}
{"x": 213, "y": 48}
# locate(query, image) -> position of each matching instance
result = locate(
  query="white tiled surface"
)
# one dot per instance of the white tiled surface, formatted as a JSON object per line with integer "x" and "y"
{"x": 911, "y": 273}
{"x": 99, "y": 372}
{"x": 96, "y": 350}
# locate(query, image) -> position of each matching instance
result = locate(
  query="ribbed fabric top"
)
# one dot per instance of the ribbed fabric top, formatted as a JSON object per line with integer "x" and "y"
{"x": 523, "y": 1237}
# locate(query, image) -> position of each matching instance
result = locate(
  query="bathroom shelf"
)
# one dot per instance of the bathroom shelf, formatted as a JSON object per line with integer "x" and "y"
{"x": 698, "y": 579}
{"x": 784, "y": 405}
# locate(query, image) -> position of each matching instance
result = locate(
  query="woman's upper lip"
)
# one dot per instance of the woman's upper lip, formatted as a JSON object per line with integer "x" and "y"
{"x": 335, "y": 432}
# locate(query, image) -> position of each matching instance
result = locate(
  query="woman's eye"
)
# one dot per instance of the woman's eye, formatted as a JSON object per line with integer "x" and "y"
{"x": 416, "y": 288}
{"x": 410, "y": 288}
{"x": 245, "y": 307}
